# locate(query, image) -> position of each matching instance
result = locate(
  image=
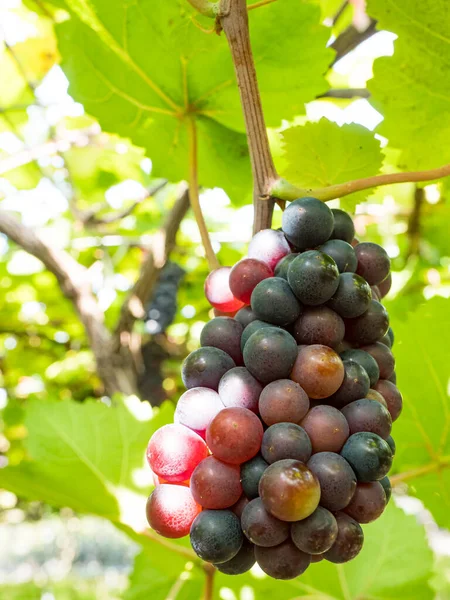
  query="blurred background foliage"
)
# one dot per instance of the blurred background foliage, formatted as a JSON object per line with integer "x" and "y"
{"x": 94, "y": 97}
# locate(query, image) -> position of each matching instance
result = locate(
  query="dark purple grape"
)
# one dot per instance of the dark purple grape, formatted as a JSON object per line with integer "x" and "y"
{"x": 285, "y": 561}
{"x": 319, "y": 370}
{"x": 262, "y": 528}
{"x": 368, "y": 502}
{"x": 336, "y": 477}
{"x": 352, "y": 297}
{"x": 251, "y": 473}
{"x": 327, "y": 428}
{"x": 376, "y": 295}
{"x": 283, "y": 401}
{"x": 384, "y": 357}
{"x": 392, "y": 395}
{"x": 356, "y": 384}
{"x": 205, "y": 367}
{"x": 281, "y": 270}
{"x": 385, "y": 286}
{"x": 241, "y": 563}
{"x": 319, "y": 325}
{"x": 342, "y": 253}
{"x": 386, "y": 483}
{"x": 252, "y": 328}
{"x": 224, "y": 333}
{"x": 238, "y": 387}
{"x": 238, "y": 508}
{"x": 216, "y": 535}
{"x": 313, "y": 277}
{"x": 269, "y": 246}
{"x": 215, "y": 484}
{"x": 245, "y": 316}
{"x": 393, "y": 378}
{"x": 307, "y": 223}
{"x": 349, "y": 541}
{"x": 370, "y": 326}
{"x": 369, "y": 456}
{"x": 315, "y": 534}
{"x": 391, "y": 442}
{"x": 245, "y": 276}
{"x": 386, "y": 340}
{"x": 274, "y": 302}
{"x": 316, "y": 558}
{"x": 390, "y": 333}
{"x": 270, "y": 354}
{"x": 363, "y": 359}
{"x": 343, "y": 226}
{"x": 285, "y": 440}
{"x": 373, "y": 262}
{"x": 368, "y": 415}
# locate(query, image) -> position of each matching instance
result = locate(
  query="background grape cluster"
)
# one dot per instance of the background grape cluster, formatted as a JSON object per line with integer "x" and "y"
{"x": 282, "y": 442}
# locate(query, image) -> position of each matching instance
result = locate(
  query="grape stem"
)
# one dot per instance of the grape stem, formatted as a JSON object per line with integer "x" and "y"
{"x": 208, "y": 590}
{"x": 442, "y": 463}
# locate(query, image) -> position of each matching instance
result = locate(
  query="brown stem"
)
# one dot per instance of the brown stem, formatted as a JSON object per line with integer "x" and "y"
{"x": 208, "y": 590}
{"x": 414, "y": 225}
{"x": 234, "y": 22}
{"x": 433, "y": 467}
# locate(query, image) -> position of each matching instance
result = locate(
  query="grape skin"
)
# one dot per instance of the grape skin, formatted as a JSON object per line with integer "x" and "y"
{"x": 368, "y": 502}
{"x": 307, "y": 223}
{"x": 216, "y": 535}
{"x": 369, "y": 456}
{"x": 315, "y": 534}
{"x": 283, "y": 401}
{"x": 285, "y": 561}
{"x": 384, "y": 357}
{"x": 171, "y": 510}
{"x": 196, "y": 408}
{"x": 344, "y": 228}
{"x": 224, "y": 333}
{"x": 319, "y": 325}
{"x": 239, "y": 388}
{"x": 251, "y": 473}
{"x": 234, "y": 435}
{"x": 352, "y": 296}
{"x": 238, "y": 508}
{"x": 215, "y": 484}
{"x": 373, "y": 262}
{"x": 218, "y": 293}
{"x": 319, "y": 370}
{"x": 327, "y": 428}
{"x": 273, "y": 301}
{"x": 245, "y": 276}
{"x": 269, "y": 354}
{"x": 349, "y": 541}
{"x": 342, "y": 253}
{"x": 336, "y": 477}
{"x": 385, "y": 286}
{"x": 245, "y": 316}
{"x": 392, "y": 395}
{"x": 252, "y": 328}
{"x": 356, "y": 384}
{"x": 241, "y": 563}
{"x": 285, "y": 440}
{"x": 313, "y": 277}
{"x": 269, "y": 246}
{"x": 368, "y": 415}
{"x": 391, "y": 442}
{"x": 365, "y": 360}
{"x": 386, "y": 483}
{"x": 262, "y": 528}
{"x": 281, "y": 270}
{"x": 370, "y": 326}
{"x": 205, "y": 367}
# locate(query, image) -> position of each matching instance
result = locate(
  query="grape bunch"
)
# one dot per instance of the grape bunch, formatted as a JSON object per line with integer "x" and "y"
{"x": 282, "y": 442}
{"x": 162, "y": 309}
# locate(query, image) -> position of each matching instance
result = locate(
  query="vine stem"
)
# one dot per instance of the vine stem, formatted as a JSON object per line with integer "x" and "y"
{"x": 211, "y": 258}
{"x": 234, "y": 22}
{"x": 433, "y": 467}
{"x": 287, "y": 191}
{"x": 208, "y": 590}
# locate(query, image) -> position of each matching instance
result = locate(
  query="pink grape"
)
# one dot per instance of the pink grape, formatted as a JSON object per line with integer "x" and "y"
{"x": 215, "y": 484}
{"x": 238, "y": 387}
{"x": 245, "y": 276}
{"x": 174, "y": 451}
{"x": 171, "y": 510}
{"x": 327, "y": 428}
{"x": 218, "y": 293}
{"x": 196, "y": 408}
{"x": 269, "y": 246}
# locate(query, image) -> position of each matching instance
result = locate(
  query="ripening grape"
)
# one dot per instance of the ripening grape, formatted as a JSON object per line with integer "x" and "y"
{"x": 216, "y": 535}
{"x": 391, "y": 442}
{"x": 370, "y": 326}
{"x": 343, "y": 226}
{"x": 365, "y": 360}
{"x": 319, "y": 370}
{"x": 384, "y": 358}
{"x": 336, "y": 477}
{"x": 174, "y": 451}
{"x": 368, "y": 415}
{"x": 392, "y": 395}
{"x": 385, "y": 286}
{"x": 355, "y": 385}
{"x": 349, "y": 541}
{"x": 262, "y": 528}
{"x": 283, "y": 401}
{"x": 315, "y": 534}
{"x": 385, "y": 482}
{"x": 274, "y": 302}
{"x": 289, "y": 490}
{"x": 307, "y": 223}
{"x": 281, "y": 270}
{"x": 215, "y": 484}
{"x": 218, "y": 293}
{"x": 373, "y": 262}
{"x": 245, "y": 316}
{"x": 252, "y": 328}
{"x": 196, "y": 408}
{"x": 269, "y": 246}
{"x": 327, "y": 428}
{"x": 171, "y": 510}
{"x": 270, "y": 354}
{"x": 224, "y": 333}
{"x": 342, "y": 253}
{"x": 319, "y": 325}
{"x": 352, "y": 296}
{"x": 251, "y": 473}
{"x": 235, "y": 435}
{"x": 369, "y": 456}
{"x": 205, "y": 367}
{"x": 285, "y": 561}
{"x": 368, "y": 502}
{"x": 313, "y": 277}
{"x": 241, "y": 563}
{"x": 285, "y": 440}
{"x": 374, "y": 395}
{"x": 238, "y": 387}
{"x": 245, "y": 276}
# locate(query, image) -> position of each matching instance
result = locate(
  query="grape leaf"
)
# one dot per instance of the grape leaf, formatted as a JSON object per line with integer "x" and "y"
{"x": 322, "y": 154}
{"x": 412, "y": 89}
{"x": 422, "y": 432}
{"x": 147, "y": 72}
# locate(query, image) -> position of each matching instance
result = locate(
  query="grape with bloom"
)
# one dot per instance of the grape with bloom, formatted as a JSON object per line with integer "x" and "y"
{"x": 282, "y": 443}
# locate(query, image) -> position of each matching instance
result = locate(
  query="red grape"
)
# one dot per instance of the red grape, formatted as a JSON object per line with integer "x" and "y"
{"x": 235, "y": 435}
{"x": 319, "y": 370}
{"x": 368, "y": 502}
{"x": 349, "y": 541}
{"x": 368, "y": 415}
{"x": 174, "y": 451}
{"x": 196, "y": 408}
{"x": 215, "y": 484}
{"x": 327, "y": 428}
{"x": 392, "y": 396}
{"x": 218, "y": 293}
{"x": 245, "y": 276}
{"x": 269, "y": 246}
{"x": 171, "y": 510}
{"x": 283, "y": 401}
{"x": 384, "y": 358}
{"x": 285, "y": 561}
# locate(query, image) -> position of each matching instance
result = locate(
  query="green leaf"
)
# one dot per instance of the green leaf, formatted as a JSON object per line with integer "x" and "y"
{"x": 151, "y": 91}
{"x": 412, "y": 89}
{"x": 422, "y": 432}
{"x": 322, "y": 154}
